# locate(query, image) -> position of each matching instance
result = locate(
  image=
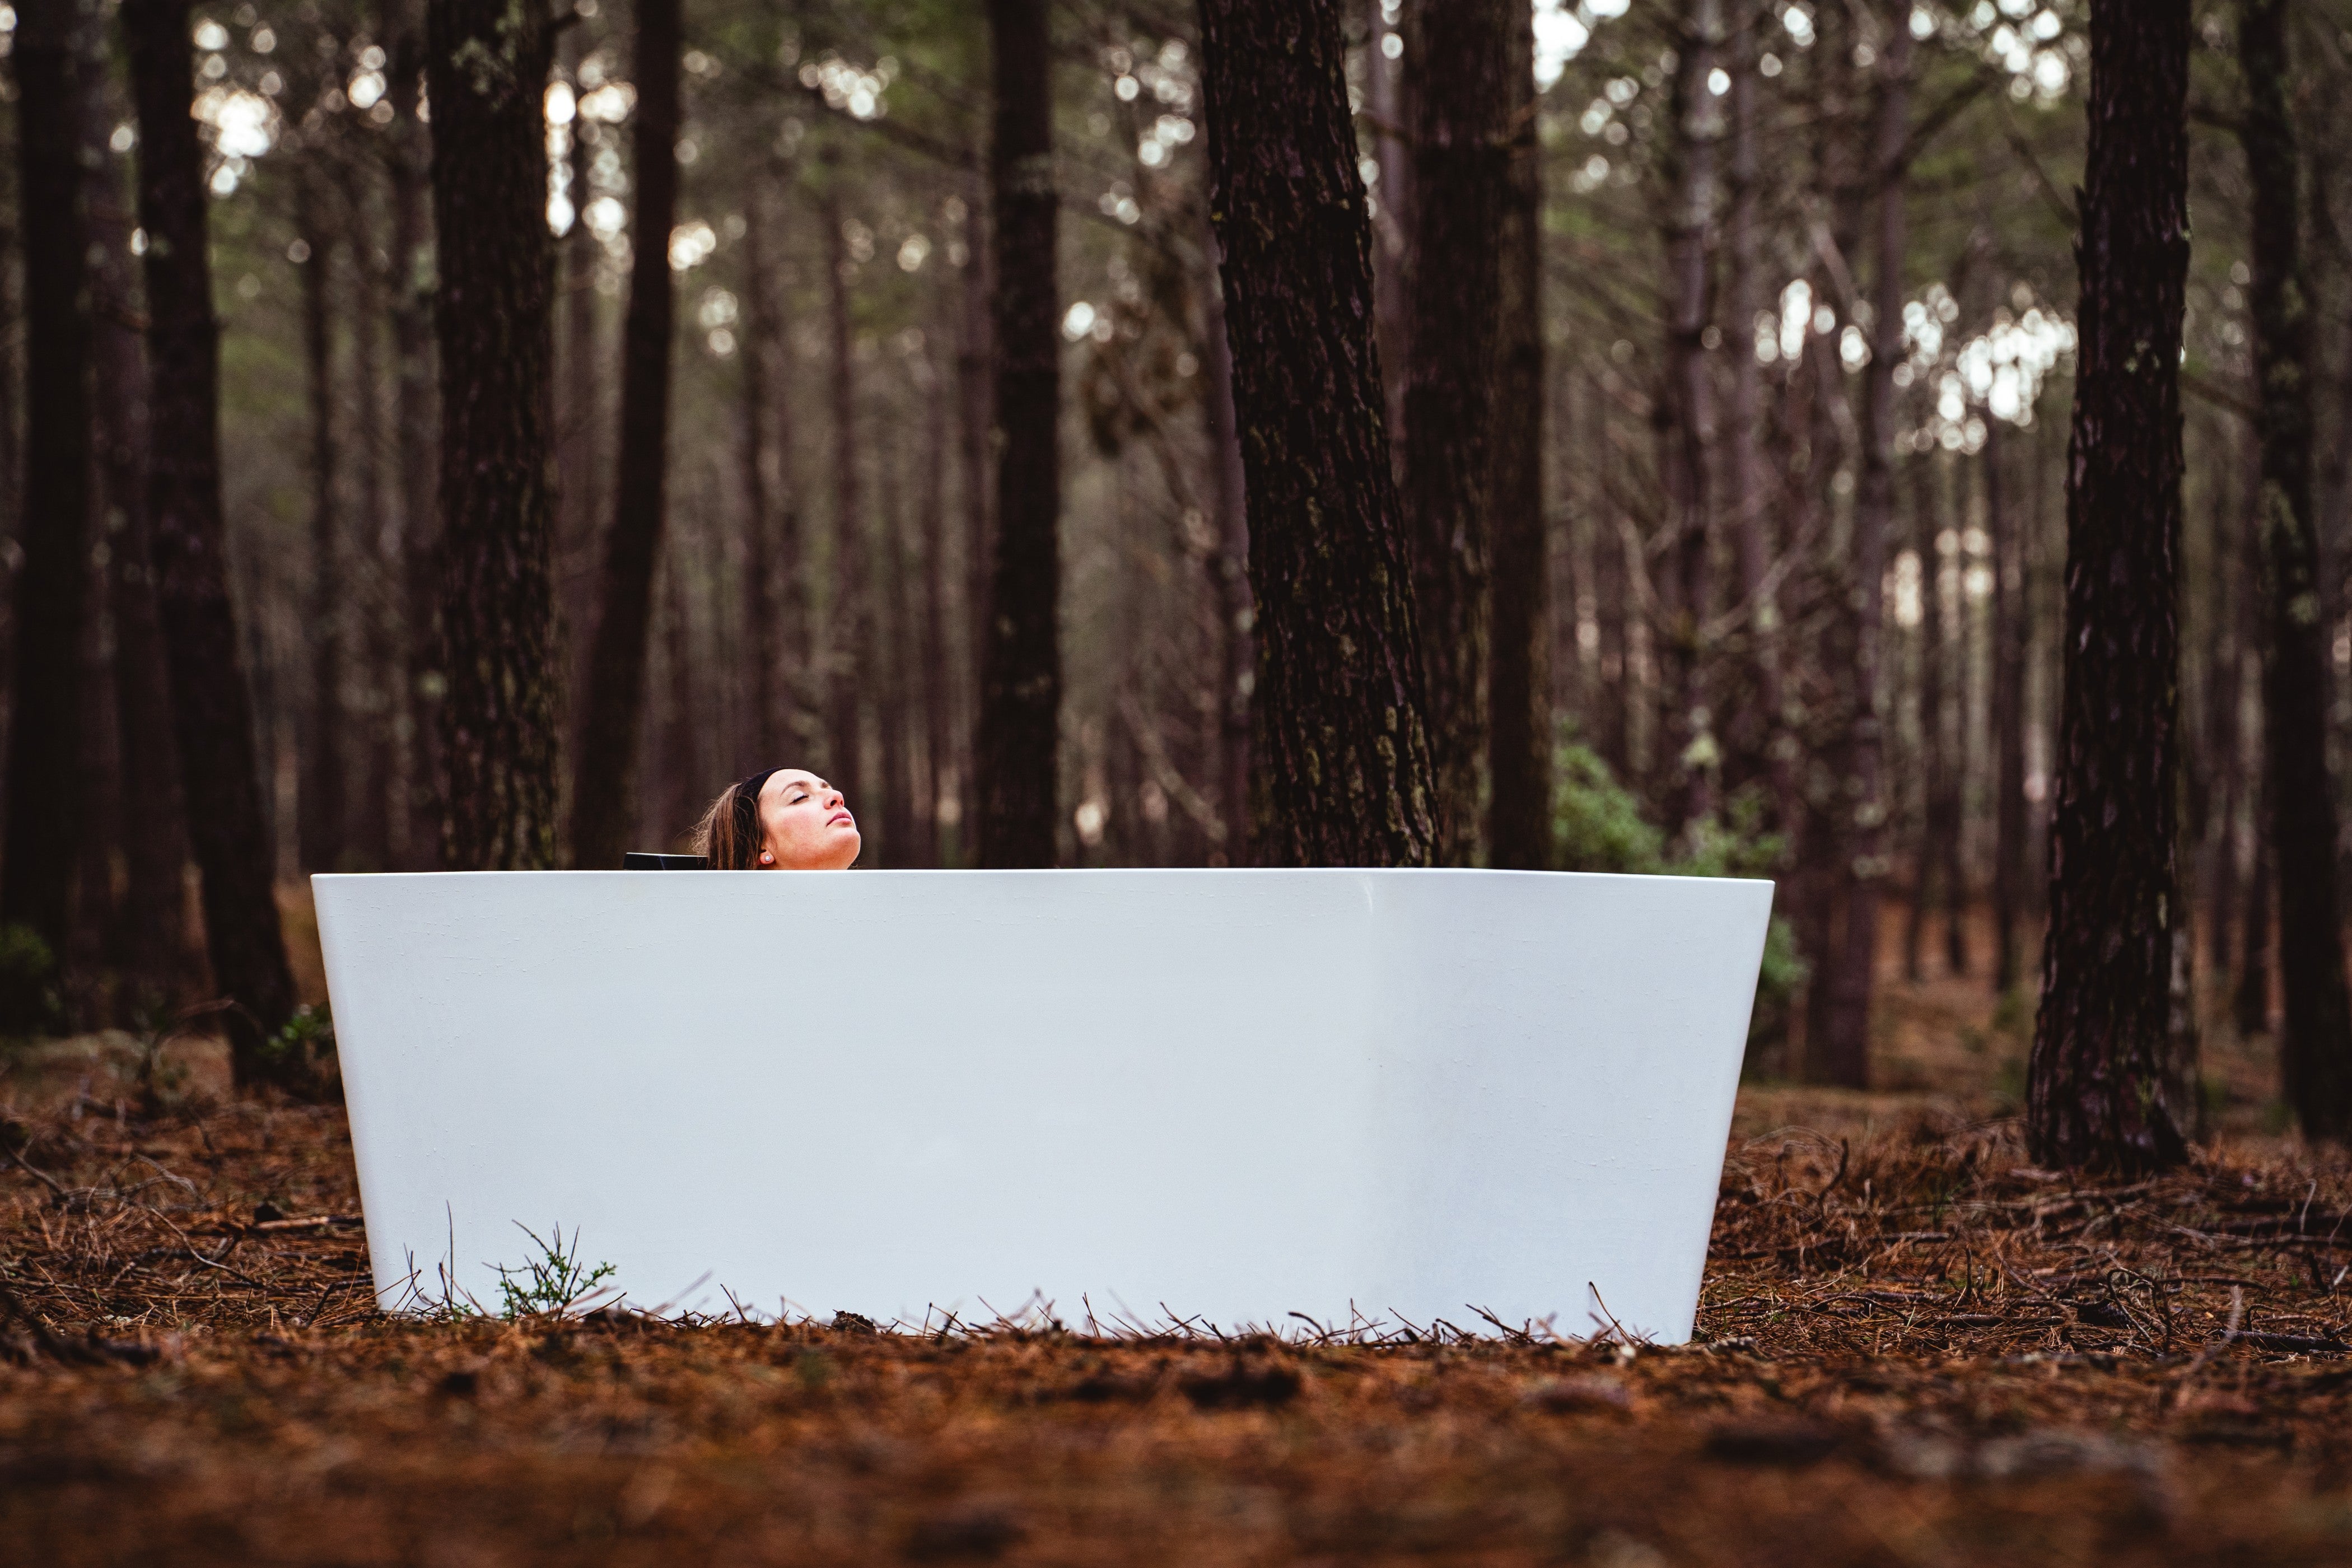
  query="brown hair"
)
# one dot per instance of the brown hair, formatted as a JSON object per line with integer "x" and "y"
{"x": 729, "y": 833}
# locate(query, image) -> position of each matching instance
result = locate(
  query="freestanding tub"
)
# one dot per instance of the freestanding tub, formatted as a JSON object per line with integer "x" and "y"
{"x": 1224, "y": 1096}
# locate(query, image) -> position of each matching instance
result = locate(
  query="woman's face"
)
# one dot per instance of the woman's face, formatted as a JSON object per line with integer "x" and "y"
{"x": 804, "y": 825}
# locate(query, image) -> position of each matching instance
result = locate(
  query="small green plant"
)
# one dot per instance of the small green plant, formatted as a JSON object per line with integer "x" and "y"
{"x": 1598, "y": 825}
{"x": 553, "y": 1283}
{"x": 31, "y": 1001}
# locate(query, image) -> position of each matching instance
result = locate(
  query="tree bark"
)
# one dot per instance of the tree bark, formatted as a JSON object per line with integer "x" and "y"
{"x": 1928, "y": 863}
{"x": 380, "y": 816}
{"x": 975, "y": 420}
{"x": 486, "y": 64}
{"x": 1851, "y": 967}
{"x": 52, "y": 588}
{"x": 1687, "y": 456}
{"x": 931, "y": 523}
{"x": 893, "y": 646}
{"x": 152, "y": 939}
{"x": 1759, "y": 739}
{"x": 1017, "y": 746}
{"x": 604, "y": 789}
{"x": 322, "y": 809}
{"x": 850, "y": 606}
{"x": 1341, "y": 771}
{"x": 2315, "y": 1046}
{"x": 765, "y": 654}
{"x": 2102, "y": 1089}
{"x": 1236, "y": 674}
{"x": 408, "y": 160}
{"x": 2010, "y": 614}
{"x": 212, "y": 712}
{"x": 1518, "y": 822}
{"x": 1461, "y": 98}
{"x": 1388, "y": 92}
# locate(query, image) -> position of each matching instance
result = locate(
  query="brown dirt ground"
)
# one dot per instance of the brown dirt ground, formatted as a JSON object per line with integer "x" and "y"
{"x": 1916, "y": 1350}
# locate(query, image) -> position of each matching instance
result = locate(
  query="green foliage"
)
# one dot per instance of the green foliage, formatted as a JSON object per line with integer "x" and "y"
{"x": 553, "y": 1283}
{"x": 1598, "y": 825}
{"x": 302, "y": 1054}
{"x": 31, "y": 1001}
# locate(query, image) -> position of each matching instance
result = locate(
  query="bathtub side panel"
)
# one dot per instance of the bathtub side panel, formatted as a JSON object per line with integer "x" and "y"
{"x": 1561, "y": 1058}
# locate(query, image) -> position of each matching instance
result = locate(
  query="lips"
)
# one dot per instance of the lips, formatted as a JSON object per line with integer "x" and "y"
{"x": 840, "y": 816}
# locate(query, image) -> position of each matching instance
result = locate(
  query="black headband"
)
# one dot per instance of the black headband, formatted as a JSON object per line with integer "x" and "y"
{"x": 747, "y": 806}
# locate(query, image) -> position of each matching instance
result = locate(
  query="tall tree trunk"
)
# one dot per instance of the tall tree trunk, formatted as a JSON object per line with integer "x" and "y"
{"x": 408, "y": 161}
{"x": 1388, "y": 90}
{"x": 765, "y": 654}
{"x": 1340, "y": 762}
{"x": 381, "y": 817}
{"x": 1017, "y": 745}
{"x": 931, "y": 520}
{"x": 1461, "y": 103}
{"x": 1518, "y": 822}
{"x": 486, "y": 65}
{"x": 322, "y": 810}
{"x": 975, "y": 420}
{"x": 212, "y": 712}
{"x": 1686, "y": 457}
{"x": 2010, "y": 618}
{"x": 893, "y": 663}
{"x": 1934, "y": 654}
{"x": 2251, "y": 1001}
{"x": 580, "y": 433}
{"x": 2316, "y": 1049}
{"x": 1761, "y": 732}
{"x": 1952, "y": 780}
{"x": 152, "y": 949}
{"x": 604, "y": 789}
{"x": 44, "y": 794}
{"x": 2231, "y": 612}
{"x": 1236, "y": 674}
{"x": 850, "y": 605}
{"x": 1844, "y": 1050}
{"x": 2101, "y": 1087}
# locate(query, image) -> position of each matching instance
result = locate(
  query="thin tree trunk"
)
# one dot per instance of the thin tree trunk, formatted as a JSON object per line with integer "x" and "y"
{"x": 408, "y": 160}
{"x": 1387, "y": 90}
{"x": 2102, "y": 1086}
{"x": 933, "y": 630}
{"x": 893, "y": 642}
{"x": 849, "y": 611}
{"x": 1926, "y": 859}
{"x": 1021, "y": 680}
{"x": 2251, "y": 1003}
{"x": 1340, "y": 764}
{"x": 580, "y": 433}
{"x": 322, "y": 806}
{"x": 52, "y": 587}
{"x": 486, "y": 64}
{"x": 1518, "y": 822}
{"x": 2315, "y": 1046}
{"x": 1844, "y": 1053}
{"x": 153, "y": 937}
{"x": 765, "y": 656}
{"x": 212, "y": 712}
{"x": 976, "y": 475}
{"x": 1461, "y": 106}
{"x": 1229, "y": 568}
{"x": 1952, "y": 779}
{"x": 2009, "y": 631}
{"x": 2232, "y": 613}
{"x": 383, "y": 786}
{"x": 1761, "y": 730}
{"x": 1686, "y": 457}
{"x": 604, "y": 789}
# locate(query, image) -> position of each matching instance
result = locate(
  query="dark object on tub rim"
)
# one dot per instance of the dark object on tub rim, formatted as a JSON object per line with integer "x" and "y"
{"x": 642, "y": 860}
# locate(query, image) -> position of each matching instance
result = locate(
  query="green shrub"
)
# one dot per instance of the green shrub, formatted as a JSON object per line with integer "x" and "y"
{"x": 1598, "y": 825}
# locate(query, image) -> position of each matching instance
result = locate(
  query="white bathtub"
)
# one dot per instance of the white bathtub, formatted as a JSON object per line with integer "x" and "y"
{"x": 1228, "y": 1096}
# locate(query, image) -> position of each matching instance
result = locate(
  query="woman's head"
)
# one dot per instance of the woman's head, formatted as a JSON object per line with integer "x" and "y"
{"x": 785, "y": 820}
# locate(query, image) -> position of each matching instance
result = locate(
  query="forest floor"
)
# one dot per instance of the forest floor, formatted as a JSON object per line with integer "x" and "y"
{"x": 1914, "y": 1348}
